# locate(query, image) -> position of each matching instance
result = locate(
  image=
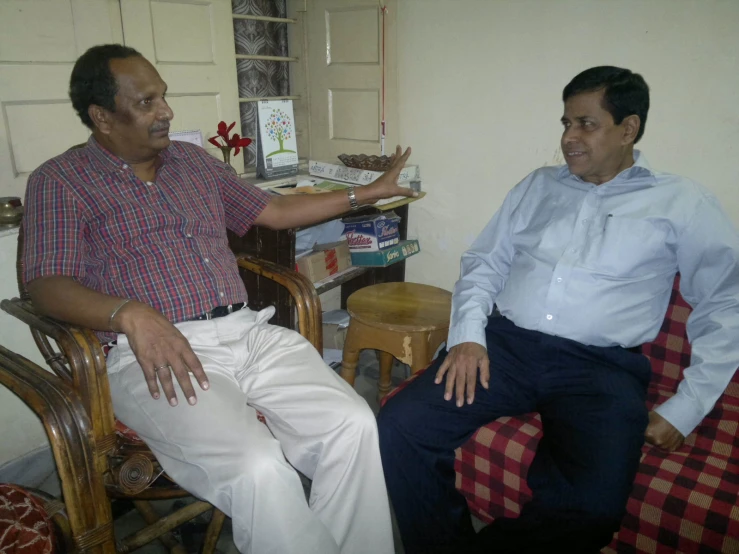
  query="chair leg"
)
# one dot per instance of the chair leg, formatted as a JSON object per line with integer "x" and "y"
{"x": 70, "y": 435}
{"x": 213, "y": 532}
{"x": 150, "y": 516}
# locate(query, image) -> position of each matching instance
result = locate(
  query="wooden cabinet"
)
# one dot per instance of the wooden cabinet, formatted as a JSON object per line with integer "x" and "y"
{"x": 279, "y": 247}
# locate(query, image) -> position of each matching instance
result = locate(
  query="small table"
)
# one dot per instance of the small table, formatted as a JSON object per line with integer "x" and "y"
{"x": 407, "y": 321}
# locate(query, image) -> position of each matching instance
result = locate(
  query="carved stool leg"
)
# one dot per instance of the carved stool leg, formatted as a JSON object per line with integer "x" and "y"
{"x": 352, "y": 348}
{"x": 386, "y": 369}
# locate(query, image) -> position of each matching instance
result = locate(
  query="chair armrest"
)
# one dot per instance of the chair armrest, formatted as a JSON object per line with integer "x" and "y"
{"x": 70, "y": 434}
{"x": 81, "y": 365}
{"x": 307, "y": 302}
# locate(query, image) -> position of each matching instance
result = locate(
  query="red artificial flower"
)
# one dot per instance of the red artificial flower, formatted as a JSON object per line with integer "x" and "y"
{"x": 235, "y": 141}
{"x": 238, "y": 143}
{"x": 223, "y": 131}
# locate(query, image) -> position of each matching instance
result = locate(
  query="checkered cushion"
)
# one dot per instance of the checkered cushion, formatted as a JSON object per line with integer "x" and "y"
{"x": 685, "y": 501}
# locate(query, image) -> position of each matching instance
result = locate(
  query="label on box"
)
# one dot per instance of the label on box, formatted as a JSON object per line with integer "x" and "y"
{"x": 371, "y": 233}
{"x": 382, "y": 258}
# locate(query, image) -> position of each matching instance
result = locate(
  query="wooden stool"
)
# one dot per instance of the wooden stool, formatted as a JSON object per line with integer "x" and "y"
{"x": 406, "y": 321}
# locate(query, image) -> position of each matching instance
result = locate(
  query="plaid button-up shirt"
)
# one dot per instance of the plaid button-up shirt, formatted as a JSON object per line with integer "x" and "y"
{"x": 89, "y": 217}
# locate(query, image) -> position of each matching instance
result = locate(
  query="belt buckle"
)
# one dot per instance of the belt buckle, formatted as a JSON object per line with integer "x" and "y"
{"x": 229, "y": 309}
{"x": 209, "y": 315}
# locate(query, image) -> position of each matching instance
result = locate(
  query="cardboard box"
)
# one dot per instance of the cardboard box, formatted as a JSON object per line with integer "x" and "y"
{"x": 383, "y": 258}
{"x": 325, "y": 260}
{"x": 370, "y": 233}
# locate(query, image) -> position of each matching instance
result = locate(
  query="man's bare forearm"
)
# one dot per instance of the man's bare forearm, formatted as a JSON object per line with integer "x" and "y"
{"x": 64, "y": 298}
{"x": 286, "y": 212}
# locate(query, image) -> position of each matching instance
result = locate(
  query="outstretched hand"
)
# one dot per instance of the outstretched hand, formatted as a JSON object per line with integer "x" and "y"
{"x": 386, "y": 186}
{"x": 460, "y": 367}
{"x": 162, "y": 351}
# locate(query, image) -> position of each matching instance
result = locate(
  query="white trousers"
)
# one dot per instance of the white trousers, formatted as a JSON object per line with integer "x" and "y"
{"x": 220, "y": 452}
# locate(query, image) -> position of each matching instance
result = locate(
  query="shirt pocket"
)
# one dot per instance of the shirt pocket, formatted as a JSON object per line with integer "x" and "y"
{"x": 626, "y": 248}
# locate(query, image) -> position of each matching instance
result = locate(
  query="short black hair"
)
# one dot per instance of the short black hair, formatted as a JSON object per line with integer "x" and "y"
{"x": 626, "y": 93}
{"x": 93, "y": 82}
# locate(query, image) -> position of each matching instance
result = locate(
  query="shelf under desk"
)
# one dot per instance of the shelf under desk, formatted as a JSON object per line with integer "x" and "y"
{"x": 279, "y": 247}
{"x": 350, "y": 273}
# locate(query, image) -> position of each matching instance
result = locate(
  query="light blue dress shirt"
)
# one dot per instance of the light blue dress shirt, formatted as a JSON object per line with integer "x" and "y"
{"x": 596, "y": 264}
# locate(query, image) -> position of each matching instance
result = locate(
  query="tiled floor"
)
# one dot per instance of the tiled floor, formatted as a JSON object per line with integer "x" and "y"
{"x": 366, "y": 385}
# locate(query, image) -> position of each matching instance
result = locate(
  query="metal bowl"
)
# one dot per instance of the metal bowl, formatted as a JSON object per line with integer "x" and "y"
{"x": 11, "y": 211}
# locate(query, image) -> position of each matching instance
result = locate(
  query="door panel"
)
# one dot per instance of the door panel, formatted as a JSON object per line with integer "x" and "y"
{"x": 191, "y": 44}
{"x": 344, "y": 66}
{"x": 39, "y": 43}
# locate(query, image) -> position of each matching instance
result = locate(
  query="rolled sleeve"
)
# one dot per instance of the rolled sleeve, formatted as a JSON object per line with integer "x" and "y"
{"x": 242, "y": 202}
{"x": 53, "y": 228}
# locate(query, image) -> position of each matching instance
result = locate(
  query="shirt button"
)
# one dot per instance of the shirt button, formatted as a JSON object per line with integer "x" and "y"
{"x": 188, "y": 235}
{"x": 574, "y": 250}
{"x": 585, "y": 220}
{"x": 207, "y": 260}
{"x": 125, "y": 166}
{"x": 222, "y": 294}
{"x": 549, "y": 317}
{"x": 559, "y": 279}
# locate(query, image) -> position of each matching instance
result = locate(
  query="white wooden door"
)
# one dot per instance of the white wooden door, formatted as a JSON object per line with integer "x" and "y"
{"x": 39, "y": 43}
{"x": 344, "y": 66}
{"x": 191, "y": 44}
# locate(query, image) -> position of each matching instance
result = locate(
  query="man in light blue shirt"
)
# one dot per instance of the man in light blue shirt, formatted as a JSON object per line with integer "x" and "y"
{"x": 580, "y": 261}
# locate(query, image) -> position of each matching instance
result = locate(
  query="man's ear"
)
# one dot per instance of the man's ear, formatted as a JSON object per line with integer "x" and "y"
{"x": 101, "y": 118}
{"x": 631, "y": 125}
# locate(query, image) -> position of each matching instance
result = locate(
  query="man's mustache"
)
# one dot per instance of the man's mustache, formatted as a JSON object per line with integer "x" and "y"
{"x": 159, "y": 127}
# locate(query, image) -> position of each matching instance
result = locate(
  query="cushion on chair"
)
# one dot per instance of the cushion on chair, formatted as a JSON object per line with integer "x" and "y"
{"x": 25, "y": 528}
{"x": 688, "y": 500}
{"x": 128, "y": 434}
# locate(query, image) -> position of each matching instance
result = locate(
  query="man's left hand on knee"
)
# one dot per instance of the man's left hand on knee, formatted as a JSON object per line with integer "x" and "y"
{"x": 660, "y": 432}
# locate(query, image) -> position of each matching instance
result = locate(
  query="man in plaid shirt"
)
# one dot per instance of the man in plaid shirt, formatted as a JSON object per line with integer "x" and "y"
{"x": 127, "y": 236}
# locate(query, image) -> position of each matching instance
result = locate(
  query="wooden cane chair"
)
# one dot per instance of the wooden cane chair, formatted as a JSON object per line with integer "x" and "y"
{"x": 97, "y": 458}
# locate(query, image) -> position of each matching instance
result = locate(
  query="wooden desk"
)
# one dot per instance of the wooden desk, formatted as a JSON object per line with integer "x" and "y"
{"x": 279, "y": 247}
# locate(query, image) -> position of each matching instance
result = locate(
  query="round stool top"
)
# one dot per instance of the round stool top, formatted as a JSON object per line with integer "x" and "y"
{"x": 402, "y": 306}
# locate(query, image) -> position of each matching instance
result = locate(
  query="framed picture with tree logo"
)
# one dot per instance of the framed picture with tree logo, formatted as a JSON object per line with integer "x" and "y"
{"x": 277, "y": 149}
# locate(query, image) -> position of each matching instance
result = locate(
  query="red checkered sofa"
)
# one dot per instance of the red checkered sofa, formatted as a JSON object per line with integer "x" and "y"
{"x": 685, "y": 501}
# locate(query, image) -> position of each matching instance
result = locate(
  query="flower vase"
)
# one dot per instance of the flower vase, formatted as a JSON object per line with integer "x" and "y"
{"x": 227, "y": 157}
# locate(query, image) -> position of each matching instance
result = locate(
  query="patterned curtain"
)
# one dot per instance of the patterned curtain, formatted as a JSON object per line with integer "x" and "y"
{"x": 259, "y": 77}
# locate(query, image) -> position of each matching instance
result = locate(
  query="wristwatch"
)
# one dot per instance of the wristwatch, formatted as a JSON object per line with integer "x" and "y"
{"x": 352, "y": 198}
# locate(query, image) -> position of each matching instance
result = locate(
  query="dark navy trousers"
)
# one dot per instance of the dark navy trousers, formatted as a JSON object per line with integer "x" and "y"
{"x": 592, "y": 405}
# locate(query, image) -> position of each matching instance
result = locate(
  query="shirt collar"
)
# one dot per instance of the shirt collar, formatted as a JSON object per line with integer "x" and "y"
{"x": 641, "y": 168}
{"x": 107, "y": 161}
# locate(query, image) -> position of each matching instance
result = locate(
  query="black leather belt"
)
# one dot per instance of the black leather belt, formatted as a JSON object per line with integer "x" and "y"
{"x": 219, "y": 311}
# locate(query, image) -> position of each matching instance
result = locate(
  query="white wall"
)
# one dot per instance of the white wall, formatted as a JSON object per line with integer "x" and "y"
{"x": 22, "y": 431}
{"x": 480, "y": 84}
